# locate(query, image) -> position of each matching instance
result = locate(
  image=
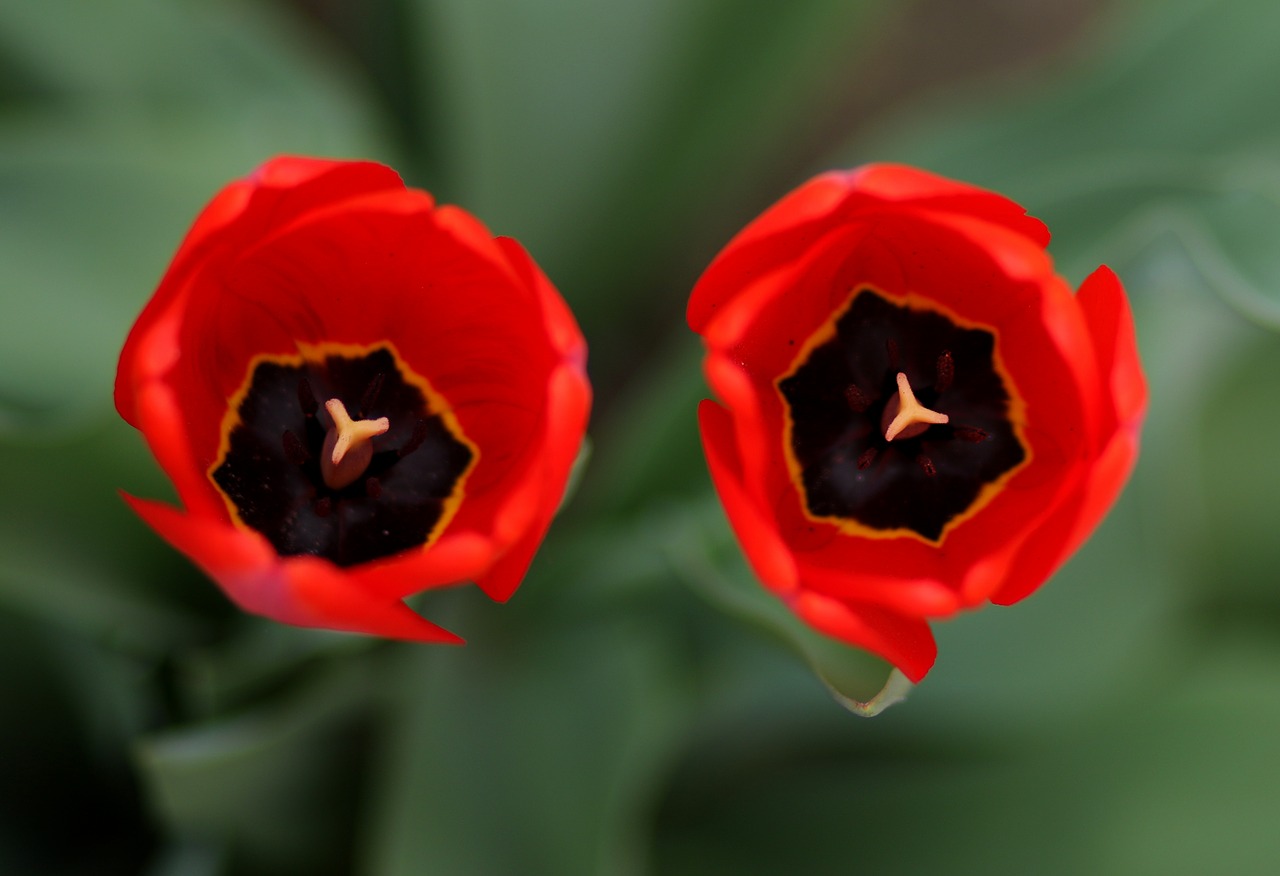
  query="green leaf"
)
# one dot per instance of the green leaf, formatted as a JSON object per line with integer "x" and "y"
{"x": 275, "y": 786}
{"x": 74, "y": 706}
{"x": 532, "y": 752}
{"x": 255, "y": 665}
{"x": 648, "y": 448}
{"x": 99, "y": 184}
{"x": 1174, "y": 778}
{"x": 604, "y": 136}
{"x": 75, "y": 554}
{"x": 703, "y": 553}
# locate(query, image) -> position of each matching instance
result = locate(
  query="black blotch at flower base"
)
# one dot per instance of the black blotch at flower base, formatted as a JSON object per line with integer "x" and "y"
{"x": 270, "y": 468}
{"x": 836, "y": 395}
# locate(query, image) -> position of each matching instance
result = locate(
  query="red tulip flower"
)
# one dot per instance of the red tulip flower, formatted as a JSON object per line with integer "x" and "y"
{"x": 357, "y": 394}
{"x": 916, "y": 415}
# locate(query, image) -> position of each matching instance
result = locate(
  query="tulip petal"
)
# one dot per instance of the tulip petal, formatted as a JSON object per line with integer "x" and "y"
{"x": 453, "y": 558}
{"x": 569, "y": 400}
{"x": 1110, "y": 322}
{"x": 905, "y": 642}
{"x": 304, "y": 591}
{"x": 1106, "y": 310}
{"x": 756, "y": 249}
{"x": 903, "y": 184}
{"x": 1061, "y": 534}
{"x": 768, "y": 554}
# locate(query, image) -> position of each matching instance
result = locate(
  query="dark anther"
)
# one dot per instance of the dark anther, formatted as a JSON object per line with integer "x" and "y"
{"x": 926, "y": 465}
{"x": 867, "y": 457}
{"x": 372, "y": 487}
{"x": 946, "y": 372}
{"x": 420, "y": 430}
{"x": 294, "y": 450}
{"x": 323, "y": 506}
{"x": 891, "y": 347}
{"x": 306, "y": 398}
{"x": 972, "y": 434}
{"x": 858, "y": 400}
{"x": 370, "y": 396}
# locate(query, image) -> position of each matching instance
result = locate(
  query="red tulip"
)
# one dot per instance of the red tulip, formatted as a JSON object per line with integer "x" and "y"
{"x": 917, "y": 416}
{"x": 357, "y": 394}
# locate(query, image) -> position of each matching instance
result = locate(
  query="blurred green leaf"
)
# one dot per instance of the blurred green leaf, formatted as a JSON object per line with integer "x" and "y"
{"x": 1173, "y": 780}
{"x": 602, "y": 135}
{"x": 99, "y": 181}
{"x": 1238, "y": 486}
{"x": 648, "y": 446}
{"x": 71, "y": 708}
{"x": 276, "y": 785}
{"x": 234, "y": 59}
{"x": 265, "y": 659}
{"x": 704, "y": 554}
{"x": 525, "y": 753}
{"x": 189, "y": 859}
{"x": 73, "y": 553}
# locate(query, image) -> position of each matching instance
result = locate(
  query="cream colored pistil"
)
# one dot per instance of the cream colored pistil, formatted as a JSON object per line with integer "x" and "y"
{"x": 906, "y": 417}
{"x": 348, "y": 447}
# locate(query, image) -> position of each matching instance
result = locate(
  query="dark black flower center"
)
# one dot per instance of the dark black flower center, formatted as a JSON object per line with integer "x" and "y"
{"x": 844, "y": 393}
{"x": 271, "y": 465}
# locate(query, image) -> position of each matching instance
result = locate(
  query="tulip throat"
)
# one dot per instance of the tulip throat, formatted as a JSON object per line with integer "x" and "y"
{"x": 348, "y": 445}
{"x": 379, "y": 468}
{"x": 900, "y": 419}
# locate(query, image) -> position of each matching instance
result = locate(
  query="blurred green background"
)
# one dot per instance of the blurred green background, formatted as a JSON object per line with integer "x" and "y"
{"x": 636, "y": 708}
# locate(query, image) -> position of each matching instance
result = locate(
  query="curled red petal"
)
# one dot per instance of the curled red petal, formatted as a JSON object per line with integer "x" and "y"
{"x": 158, "y": 414}
{"x": 904, "y": 641}
{"x": 758, "y": 535}
{"x": 1071, "y": 522}
{"x": 302, "y": 591}
{"x": 759, "y": 246}
{"x": 532, "y": 506}
{"x": 1124, "y": 388}
{"x": 455, "y": 556}
{"x": 904, "y": 184}
{"x": 1106, "y": 310}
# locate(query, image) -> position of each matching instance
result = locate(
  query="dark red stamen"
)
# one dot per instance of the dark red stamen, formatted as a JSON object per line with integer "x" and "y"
{"x": 972, "y": 434}
{"x": 926, "y": 465}
{"x": 857, "y": 400}
{"x": 415, "y": 440}
{"x": 370, "y": 396}
{"x": 372, "y": 487}
{"x": 324, "y": 505}
{"x": 306, "y": 398}
{"x": 867, "y": 457}
{"x": 294, "y": 450}
{"x": 891, "y": 347}
{"x": 946, "y": 372}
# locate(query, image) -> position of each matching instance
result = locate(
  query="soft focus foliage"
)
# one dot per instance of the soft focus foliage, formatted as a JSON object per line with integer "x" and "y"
{"x": 636, "y": 709}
